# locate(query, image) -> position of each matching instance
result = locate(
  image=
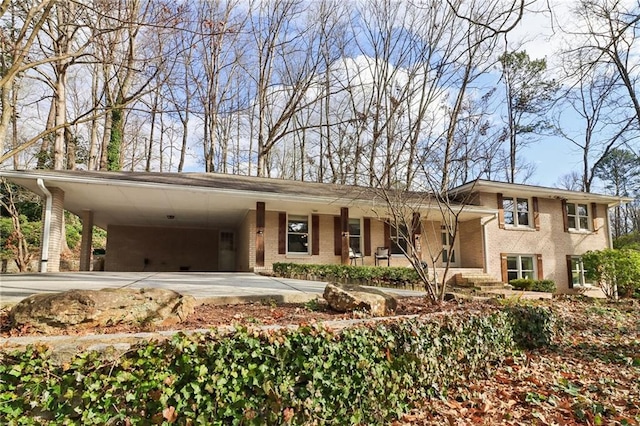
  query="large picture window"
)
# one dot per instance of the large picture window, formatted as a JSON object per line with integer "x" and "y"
{"x": 520, "y": 266}
{"x": 516, "y": 211}
{"x": 578, "y": 216}
{"x": 298, "y": 234}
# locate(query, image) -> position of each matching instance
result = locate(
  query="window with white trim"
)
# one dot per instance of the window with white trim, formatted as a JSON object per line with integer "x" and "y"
{"x": 577, "y": 272}
{"x": 399, "y": 240}
{"x": 355, "y": 235}
{"x": 516, "y": 211}
{"x": 578, "y": 216}
{"x": 298, "y": 234}
{"x": 520, "y": 266}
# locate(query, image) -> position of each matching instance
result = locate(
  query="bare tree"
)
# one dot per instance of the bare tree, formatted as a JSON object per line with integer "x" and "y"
{"x": 609, "y": 40}
{"x": 478, "y": 28}
{"x": 16, "y": 241}
{"x": 25, "y": 19}
{"x": 592, "y": 98}
{"x": 287, "y": 63}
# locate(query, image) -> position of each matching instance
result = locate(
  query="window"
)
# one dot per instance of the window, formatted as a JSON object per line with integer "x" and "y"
{"x": 578, "y": 216}
{"x": 520, "y": 266}
{"x": 577, "y": 272}
{"x": 516, "y": 211}
{"x": 354, "y": 235}
{"x": 298, "y": 234}
{"x": 399, "y": 240}
{"x": 446, "y": 244}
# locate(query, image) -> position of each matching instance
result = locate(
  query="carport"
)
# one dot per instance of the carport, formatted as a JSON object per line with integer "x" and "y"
{"x": 169, "y": 221}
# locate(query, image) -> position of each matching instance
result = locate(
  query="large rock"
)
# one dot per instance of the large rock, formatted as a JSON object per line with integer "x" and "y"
{"x": 93, "y": 308}
{"x": 349, "y": 297}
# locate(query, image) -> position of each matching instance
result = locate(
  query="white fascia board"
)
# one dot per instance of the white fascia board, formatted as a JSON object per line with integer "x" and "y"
{"x": 258, "y": 195}
{"x": 540, "y": 191}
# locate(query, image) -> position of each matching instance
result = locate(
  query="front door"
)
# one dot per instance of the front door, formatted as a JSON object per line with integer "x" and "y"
{"x": 450, "y": 251}
{"x": 226, "y": 252}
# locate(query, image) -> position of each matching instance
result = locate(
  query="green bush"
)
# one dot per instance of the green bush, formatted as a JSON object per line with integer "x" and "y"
{"x": 617, "y": 272}
{"x": 367, "y": 374}
{"x": 366, "y": 275}
{"x": 527, "y": 284}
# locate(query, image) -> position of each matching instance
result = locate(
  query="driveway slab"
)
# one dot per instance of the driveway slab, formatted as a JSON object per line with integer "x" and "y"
{"x": 227, "y": 287}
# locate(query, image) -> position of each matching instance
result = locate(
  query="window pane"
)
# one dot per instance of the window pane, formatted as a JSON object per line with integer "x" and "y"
{"x": 582, "y": 209}
{"x": 527, "y": 263}
{"x": 298, "y": 243}
{"x": 354, "y": 226}
{"x": 445, "y": 241}
{"x": 572, "y": 222}
{"x": 508, "y": 217}
{"x": 571, "y": 208}
{"x": 397, "y": 245}
{"x": 298, "y": 224}
{"x": 584, "y": 223}
{"x": 575, "y": 262}
{"x": 445, "y": 255}
{"x": 512, "y": 276}
{"x": 507, "y": 205}
{"x": 354, "y": 243}
{"x": 453, "y": 256}
{"x": 575, "y": 278}
{"x": 528, "y": 275}
{"x": 523, "y": 205}
{"x": 512, "y": 263}
{"x": 523, "y": 218}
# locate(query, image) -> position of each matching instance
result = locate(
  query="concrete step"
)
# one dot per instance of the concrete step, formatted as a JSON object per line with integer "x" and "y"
{"x": 475, "y": 279}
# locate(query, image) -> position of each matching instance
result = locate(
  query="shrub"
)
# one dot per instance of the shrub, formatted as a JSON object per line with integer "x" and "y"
{"x": 527, "y": 284}
{"x": 617, "y": 272}
{"x": 548, "y": 286}
{"x": 367, "y": 275}
{"x": 368, "y": 374}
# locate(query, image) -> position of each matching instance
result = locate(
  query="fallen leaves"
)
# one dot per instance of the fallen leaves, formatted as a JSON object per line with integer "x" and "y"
{"x": 586, "y": 378}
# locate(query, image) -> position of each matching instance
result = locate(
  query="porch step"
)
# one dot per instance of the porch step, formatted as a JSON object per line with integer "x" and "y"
{"x": 478, "y": 281}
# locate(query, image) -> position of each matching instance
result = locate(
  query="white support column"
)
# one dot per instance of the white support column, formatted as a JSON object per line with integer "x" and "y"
{"x": 52, "y": 228}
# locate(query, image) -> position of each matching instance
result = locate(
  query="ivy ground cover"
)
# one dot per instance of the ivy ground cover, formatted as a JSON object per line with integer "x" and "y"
{"x": 363, "y": 374}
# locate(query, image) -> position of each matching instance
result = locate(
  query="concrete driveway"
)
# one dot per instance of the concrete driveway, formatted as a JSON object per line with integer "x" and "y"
{"x": 218, "y": 286}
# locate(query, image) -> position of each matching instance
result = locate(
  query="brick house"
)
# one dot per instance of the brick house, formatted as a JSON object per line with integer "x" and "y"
{"x": 215, "y": 222}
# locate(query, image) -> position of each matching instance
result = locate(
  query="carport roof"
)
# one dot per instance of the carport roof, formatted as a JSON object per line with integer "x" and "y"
{"x": 202, "y": 200}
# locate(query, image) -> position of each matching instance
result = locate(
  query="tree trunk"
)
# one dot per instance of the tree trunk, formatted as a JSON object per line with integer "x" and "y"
{"x": 114, "y": 149}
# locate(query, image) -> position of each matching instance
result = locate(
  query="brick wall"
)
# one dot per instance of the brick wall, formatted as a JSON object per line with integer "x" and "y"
{"x": 430, "y": 240}
{"x": 166, "y": 249}
{"x": 551, "y": 241}
{"x": 470, "y": 239}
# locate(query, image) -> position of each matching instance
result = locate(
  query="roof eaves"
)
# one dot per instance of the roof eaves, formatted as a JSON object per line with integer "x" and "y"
{"x": 478, "y": 186}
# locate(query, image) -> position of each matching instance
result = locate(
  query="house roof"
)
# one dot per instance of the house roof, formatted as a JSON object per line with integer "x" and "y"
{"x": 206, "y": 199}
{"x": 538, "y": 191}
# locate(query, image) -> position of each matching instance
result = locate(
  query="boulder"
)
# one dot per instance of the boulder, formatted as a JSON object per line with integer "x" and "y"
{"x": 94, "y": 308}
{"x": 350, "y": 297}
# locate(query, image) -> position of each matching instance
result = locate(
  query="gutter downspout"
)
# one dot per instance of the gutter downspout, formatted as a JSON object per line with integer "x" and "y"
{"x": 485, "y": 249}
{"x": 46, "y": 232}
